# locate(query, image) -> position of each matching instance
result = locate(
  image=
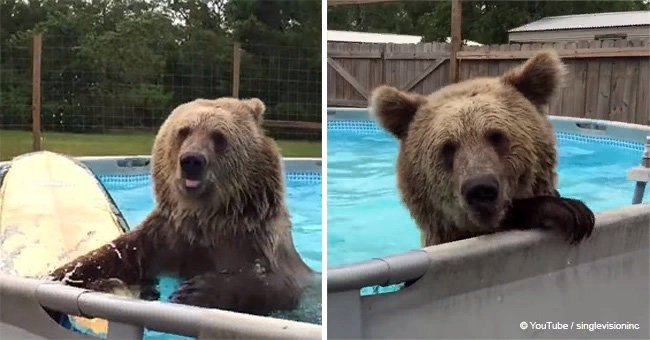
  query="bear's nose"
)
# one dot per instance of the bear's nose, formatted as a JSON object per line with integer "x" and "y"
{"x": 480, "y": 190}
{"x": 192, "y": 165}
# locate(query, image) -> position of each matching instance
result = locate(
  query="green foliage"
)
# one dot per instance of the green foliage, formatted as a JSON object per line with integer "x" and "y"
{"x": 15, "y": 106}
{"x": 295, "y": 23}
{"x": 287, "y": 77}
{"x": 486, "y": 22}
{"x": 124, "y": 64}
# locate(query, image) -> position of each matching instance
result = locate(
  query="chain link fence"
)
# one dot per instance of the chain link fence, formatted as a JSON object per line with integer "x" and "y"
{"x": 132, "y": 89}
{"x": 288, "y": 79}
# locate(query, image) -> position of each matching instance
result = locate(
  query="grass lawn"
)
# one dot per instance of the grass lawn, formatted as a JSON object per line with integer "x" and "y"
{"x": 13, "y": 143}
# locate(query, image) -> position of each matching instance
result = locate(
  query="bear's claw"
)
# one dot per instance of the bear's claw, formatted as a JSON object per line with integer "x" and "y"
{"x": 568, "y": 216}
{"x": 195, "y": 292}
{"x": 583, "y": 220}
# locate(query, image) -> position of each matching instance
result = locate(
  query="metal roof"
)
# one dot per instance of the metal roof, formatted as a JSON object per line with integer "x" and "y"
{"x": 593, "y": 20}
{"x": 348, "y": 36}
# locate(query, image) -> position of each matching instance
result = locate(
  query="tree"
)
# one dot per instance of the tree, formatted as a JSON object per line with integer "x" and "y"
{"x": 282, "y": 41}
{"x": 113, "y": 64}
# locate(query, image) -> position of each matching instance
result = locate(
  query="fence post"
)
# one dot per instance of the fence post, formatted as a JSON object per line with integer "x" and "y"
{"x": 236, "y": 62}
{"x": 36, "y": 91}
{"x": 456, "y": 26}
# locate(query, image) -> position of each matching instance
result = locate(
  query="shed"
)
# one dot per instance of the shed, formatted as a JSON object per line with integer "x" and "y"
{"x": 594, "y": 26}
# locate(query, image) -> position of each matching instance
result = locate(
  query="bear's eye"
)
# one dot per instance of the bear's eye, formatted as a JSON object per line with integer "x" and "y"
{"x": 447, "y": 153}
{"x": 219, "y": 141}
{"x": 183, "y": 132}
{"x": 498, "y": 139}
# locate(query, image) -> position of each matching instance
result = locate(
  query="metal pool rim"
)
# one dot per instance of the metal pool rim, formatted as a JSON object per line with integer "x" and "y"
{"x": 140, "y": 164}
{"x": 127, "y": 317}
{"x": 414, "y": 264}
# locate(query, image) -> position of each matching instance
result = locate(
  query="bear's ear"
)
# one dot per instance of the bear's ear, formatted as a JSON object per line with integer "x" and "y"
{"x": 257, "y": 106}
{"x": 539, "y": 78}
{"x": 395, "y": 109}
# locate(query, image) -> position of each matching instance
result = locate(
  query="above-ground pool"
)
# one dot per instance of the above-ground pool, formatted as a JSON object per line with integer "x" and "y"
{"x": 366, "y": 218}
{"x": 133, "y": 194}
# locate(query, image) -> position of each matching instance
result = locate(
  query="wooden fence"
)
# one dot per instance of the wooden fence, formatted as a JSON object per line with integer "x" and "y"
{"x": 607, "y": 79}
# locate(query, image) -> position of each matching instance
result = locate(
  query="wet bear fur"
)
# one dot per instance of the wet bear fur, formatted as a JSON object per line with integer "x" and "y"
{"x": 479, "y": 156}
{"x": 220, "y": 221}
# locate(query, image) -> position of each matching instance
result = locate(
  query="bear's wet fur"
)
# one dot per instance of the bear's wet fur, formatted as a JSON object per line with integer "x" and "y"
{"x": 220, "y": 221}
{"x": 479, "y": 156}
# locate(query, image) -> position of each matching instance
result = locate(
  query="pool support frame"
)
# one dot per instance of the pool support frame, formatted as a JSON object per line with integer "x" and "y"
{"x": 641, "y": 174}
{"x": 23, "y": 301}
{"x": 464, "y": 288}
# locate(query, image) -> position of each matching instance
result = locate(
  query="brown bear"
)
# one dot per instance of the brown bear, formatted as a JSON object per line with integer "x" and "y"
{"x": 220, "y": 220}
{"x": 479, "y": 156}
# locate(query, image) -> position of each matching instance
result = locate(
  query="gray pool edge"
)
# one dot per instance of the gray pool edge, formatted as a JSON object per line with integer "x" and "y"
{"x": 414, "y": 264}
{"x": 21, "y": 297}
{"x": 465, "y": 283}
{"x": 23, "y": 300}
{"x": 139, "y": 164}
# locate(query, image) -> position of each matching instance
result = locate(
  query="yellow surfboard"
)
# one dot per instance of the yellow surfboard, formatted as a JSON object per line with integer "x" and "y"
{"x": 52, "y": 210}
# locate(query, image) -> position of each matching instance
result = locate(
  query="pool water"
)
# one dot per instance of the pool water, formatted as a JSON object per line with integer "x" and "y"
{"x": 134, "y": 197}
{"x": 366, "y": 218}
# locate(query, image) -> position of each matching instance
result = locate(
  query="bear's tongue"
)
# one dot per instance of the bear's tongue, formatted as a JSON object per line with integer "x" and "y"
{"x": 191, "y": 183}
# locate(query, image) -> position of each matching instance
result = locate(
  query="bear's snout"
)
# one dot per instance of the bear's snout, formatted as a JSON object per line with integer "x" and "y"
{"x": 193, "y": 165}
{"x": 481, "y": 193}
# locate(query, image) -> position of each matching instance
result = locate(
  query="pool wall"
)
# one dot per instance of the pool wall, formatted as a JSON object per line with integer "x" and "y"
{"x": 139, "y": 165}
{"x": 22, "y": 300}
{"x": 610, "y": 130}
{"x": 484, "y": 287}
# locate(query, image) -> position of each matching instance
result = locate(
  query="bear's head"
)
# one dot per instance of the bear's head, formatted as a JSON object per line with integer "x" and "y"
{"x": 469, "y": 148}
{"x": 214, "y": 153}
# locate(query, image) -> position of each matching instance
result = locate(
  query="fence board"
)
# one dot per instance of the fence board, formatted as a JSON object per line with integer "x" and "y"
{"x": 567, "y": 107}
{"x": 617, "y": 110}
{"x": 579, "y": 84}
{"x": 591, "y": 87}
{"x": 493, "y": 68}
{"x": 362, "y": 70}
{"x": 442, "y": 78}
{"x": 555, "y": 107}
{"x": 631, "y": 81}
{"x": 642, "y": 103}
{"x": 483, "y": 67}
{"x": 604, "y": 84}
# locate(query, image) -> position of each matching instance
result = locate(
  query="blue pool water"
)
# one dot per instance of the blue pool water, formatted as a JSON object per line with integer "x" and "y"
{"x": 134, "y": 197}
{"x": 366, "y": 218}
